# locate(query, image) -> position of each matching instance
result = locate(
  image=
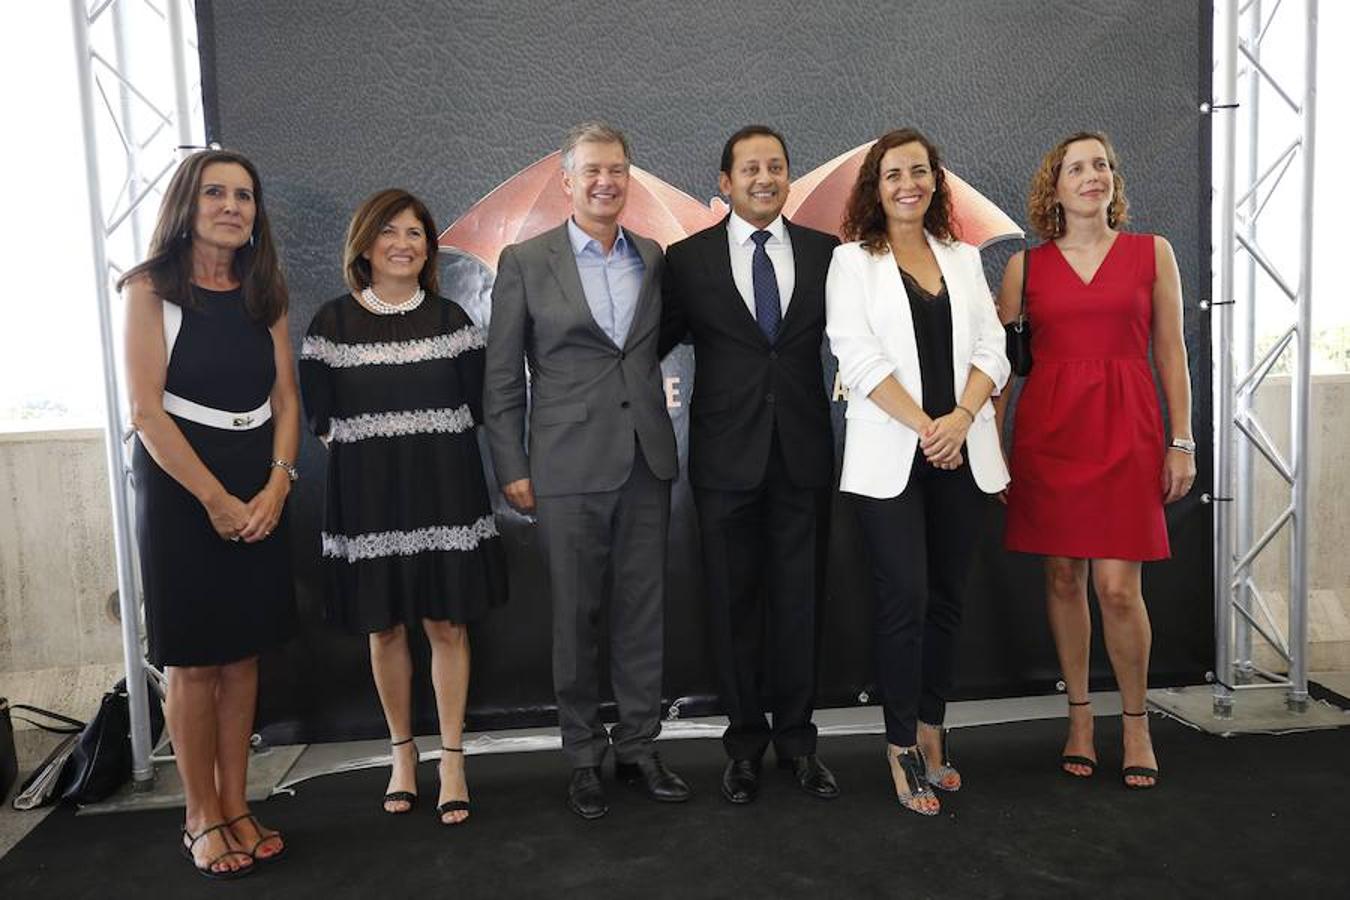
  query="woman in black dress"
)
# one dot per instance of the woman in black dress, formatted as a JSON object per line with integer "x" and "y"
{"x": 216, "y": 411}
{"x": 392, "y": 379}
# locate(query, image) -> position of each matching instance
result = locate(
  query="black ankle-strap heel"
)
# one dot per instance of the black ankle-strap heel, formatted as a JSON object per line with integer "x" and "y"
{"x": 450, "y": 806}
{"x": 408, "y": 797}
{"x": 1138, "y": 771}
{"x": 1070, "y": 759}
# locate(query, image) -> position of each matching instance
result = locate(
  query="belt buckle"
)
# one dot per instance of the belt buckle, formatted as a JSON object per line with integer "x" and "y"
{"x": 242, "y": 421}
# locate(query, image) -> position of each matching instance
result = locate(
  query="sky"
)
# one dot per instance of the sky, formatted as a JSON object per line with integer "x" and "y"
{"x": 51, "y": 373}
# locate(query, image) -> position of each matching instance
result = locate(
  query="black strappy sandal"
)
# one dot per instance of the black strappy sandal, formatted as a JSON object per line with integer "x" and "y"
{"x": 408, "y": 797}
{"x": 264, "y": 835}
{"x": 450, "y": 806}
{"x": 190, "y": 840}
{"x": 941, "y": 776}
{"x": 1069, "y": 759}
{"x": 914, "y": 768}
{"x": 1138, "y": 771}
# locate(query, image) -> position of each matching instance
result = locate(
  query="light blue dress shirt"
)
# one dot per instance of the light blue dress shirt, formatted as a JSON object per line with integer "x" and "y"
{"x": 611, "y": 282}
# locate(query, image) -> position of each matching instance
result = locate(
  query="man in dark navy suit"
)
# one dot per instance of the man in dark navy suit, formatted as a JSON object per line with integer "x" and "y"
{"x": 750, "y": 292}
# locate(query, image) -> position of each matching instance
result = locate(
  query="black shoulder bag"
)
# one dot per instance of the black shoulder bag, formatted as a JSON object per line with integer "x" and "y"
{"x": 1019, "y": 332}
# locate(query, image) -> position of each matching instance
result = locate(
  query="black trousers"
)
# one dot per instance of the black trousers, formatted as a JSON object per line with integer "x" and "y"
{"x": 764, "y": 565}
{"x": 920, "y": 545}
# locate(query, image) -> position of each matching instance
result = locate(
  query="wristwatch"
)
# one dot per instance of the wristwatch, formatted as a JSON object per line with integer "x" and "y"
{"x": 1185, "y": 445}
{"x": 291, "y": 471}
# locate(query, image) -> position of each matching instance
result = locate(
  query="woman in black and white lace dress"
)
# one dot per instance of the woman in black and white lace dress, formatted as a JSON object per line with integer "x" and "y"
{"x": 392, "y": 378}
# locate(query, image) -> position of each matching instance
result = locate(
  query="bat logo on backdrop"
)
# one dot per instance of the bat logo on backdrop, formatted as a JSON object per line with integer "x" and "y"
{"x": 532, "y": 201}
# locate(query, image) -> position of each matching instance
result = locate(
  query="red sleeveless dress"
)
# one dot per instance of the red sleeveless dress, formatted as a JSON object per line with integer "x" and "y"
{"x": 1087, "y": 449}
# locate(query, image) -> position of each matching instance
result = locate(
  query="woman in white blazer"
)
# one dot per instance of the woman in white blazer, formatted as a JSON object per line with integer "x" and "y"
{"x": 911, "y": 319}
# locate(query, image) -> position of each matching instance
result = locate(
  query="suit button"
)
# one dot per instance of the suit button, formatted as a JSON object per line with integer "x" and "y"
{"x": 624, "y": 404}
{"x": 768, "y": 398}
{"x": 773, "y": 354}
{"x": 622, "y": 356}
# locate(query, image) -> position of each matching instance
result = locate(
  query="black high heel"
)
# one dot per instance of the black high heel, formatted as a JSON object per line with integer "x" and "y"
{"x": 1138, "y": 771}
{"x": 1069, "y": 759}
{"x": 408, "y": 797}
{"x": 913, "y": 767}
{"x": 450, "y": 806}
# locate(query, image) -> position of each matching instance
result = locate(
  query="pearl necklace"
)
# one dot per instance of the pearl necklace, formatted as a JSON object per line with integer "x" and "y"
{"x": 381, "y": 308}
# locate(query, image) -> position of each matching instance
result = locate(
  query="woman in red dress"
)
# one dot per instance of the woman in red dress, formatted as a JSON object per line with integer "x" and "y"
{"x": 1091, "y": 469}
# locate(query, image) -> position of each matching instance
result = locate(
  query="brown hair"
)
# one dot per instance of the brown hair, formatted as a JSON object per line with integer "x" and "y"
{"x": 168, "y": 264}
{"x": 864, "y": 218}
{"x": 1043, "y": 210}
{"x": 375, "y": 213}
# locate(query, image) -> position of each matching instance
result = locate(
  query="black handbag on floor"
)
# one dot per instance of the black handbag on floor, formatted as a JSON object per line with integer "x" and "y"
{"x": 1019, "y": 332}
{"x": 101, "y": 760}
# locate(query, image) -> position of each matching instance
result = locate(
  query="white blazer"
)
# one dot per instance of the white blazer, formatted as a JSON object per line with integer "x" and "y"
{"x": 871, "y": 331}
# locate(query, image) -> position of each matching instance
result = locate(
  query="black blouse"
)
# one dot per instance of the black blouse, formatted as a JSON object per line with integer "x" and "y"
{"x": 932, "y": 315}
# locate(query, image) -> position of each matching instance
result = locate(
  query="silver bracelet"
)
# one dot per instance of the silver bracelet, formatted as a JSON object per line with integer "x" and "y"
{"x": 1182, "y": 444}
{"x": 291, "y": 471}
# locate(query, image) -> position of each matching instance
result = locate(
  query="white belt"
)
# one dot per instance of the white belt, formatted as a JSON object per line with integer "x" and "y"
{"x": 217, "y": 418}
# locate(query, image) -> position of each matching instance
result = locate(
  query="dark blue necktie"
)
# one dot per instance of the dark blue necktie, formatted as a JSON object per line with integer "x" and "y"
{"x": 768, "y": 312}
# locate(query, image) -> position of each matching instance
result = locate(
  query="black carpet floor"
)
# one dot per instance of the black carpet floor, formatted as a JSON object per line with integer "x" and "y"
{"x": 1247, "y": 816}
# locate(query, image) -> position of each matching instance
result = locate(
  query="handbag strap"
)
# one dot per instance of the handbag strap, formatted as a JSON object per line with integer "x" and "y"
{"x": 72, "y": 726}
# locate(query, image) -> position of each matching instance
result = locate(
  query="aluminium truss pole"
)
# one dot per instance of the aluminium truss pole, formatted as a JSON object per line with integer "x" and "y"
{"x": 1301, "y": 388}
{"x": 1244, "y": 497}
{"x": 177, "y": 38}
{"x": 1224, "y": 436}
{"x": 142, "y": 773}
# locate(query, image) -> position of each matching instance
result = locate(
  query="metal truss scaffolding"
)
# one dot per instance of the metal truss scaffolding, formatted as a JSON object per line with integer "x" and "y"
{"x": 1274, "y": 143}
{"x": 140, "y": 106}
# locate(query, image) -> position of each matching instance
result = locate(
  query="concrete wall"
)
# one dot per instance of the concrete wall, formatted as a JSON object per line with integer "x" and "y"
{"x": 1328, "y": 488}
{"x": 56, "y": 556}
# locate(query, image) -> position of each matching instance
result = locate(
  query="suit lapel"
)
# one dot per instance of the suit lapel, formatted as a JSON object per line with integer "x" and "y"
{"x": 651, "y": 263}
{"x": 564, "y": 265}
{"x": 802, "y": 259}
{"x": 718, "y": 258}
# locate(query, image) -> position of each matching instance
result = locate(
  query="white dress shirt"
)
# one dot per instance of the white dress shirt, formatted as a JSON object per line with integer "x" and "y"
{"x": 779, "y": 248}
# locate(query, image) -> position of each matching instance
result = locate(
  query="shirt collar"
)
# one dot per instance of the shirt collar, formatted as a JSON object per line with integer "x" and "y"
{"x": 741, "y": 230}
{"x": 581, "y": 240}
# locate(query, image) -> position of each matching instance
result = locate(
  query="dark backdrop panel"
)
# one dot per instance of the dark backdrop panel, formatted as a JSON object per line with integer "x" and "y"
{"x": 449, "y": 99}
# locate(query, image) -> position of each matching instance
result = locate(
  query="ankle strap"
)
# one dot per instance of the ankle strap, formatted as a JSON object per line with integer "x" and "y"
{"x": 453, "y": 749}
{"x": 406, "y": 740}
{"x": 1133, "y": 715}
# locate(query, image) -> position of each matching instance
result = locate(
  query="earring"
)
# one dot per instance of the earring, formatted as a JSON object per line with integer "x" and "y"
{"x": 1059, "y": 219}
{"x": 250, "y": 240}
{"x": 185, "y": 235}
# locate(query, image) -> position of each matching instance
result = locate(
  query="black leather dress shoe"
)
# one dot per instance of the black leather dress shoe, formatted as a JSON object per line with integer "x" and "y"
{"x": 585, "y": 797}
{"x": 812, "y": 776}
{"x": 740, "y": 780}
{"x": 655, "y": 778}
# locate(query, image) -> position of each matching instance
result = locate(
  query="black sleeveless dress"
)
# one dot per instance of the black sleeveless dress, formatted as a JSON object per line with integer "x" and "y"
{"x": 210, "y": 601}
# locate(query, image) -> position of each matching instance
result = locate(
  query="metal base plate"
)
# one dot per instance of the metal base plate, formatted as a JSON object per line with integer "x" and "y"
{"x": 1254, "y": 712}
{"x": 266, "y": 769}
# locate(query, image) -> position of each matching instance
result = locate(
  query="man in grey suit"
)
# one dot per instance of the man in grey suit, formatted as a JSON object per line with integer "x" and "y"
{"x": 582, "y": 304}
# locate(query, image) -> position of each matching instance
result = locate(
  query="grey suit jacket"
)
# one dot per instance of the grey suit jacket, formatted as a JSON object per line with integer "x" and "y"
{"x": 588, "y": 397}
